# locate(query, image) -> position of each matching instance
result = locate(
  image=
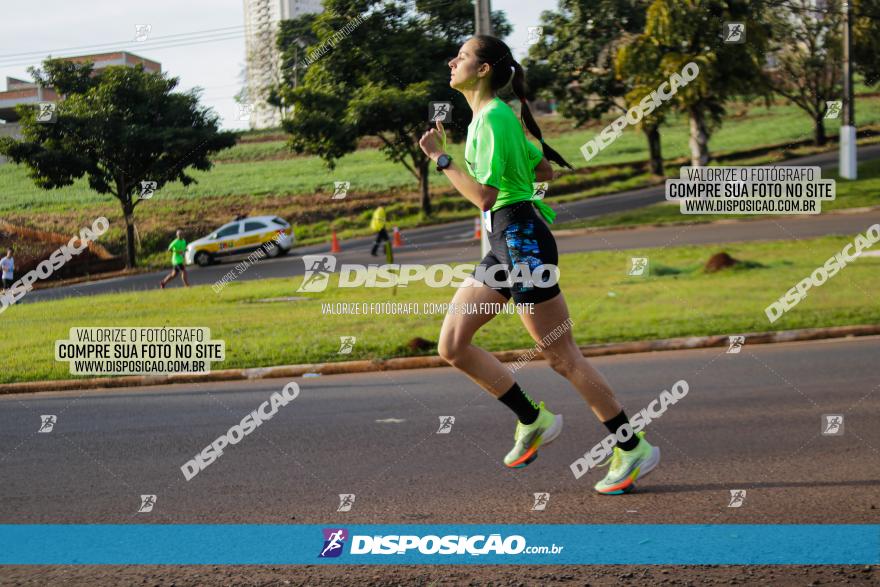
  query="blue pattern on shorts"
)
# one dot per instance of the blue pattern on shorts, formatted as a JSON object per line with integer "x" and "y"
{"x": 522, "y": 247}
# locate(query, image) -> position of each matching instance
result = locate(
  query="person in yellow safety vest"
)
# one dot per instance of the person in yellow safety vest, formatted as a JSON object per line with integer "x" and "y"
{"x": 377, "y": 225}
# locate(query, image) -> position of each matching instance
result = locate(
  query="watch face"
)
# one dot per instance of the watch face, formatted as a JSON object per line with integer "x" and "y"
{"x": 443, "y": 161}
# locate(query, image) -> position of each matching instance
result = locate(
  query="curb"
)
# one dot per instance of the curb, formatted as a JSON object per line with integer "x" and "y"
{"x": 593, "y": 350}
{"x": 92, "y": 278}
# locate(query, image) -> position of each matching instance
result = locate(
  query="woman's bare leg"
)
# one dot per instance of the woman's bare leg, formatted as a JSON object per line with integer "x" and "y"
{"x": 457, "y": 332}
{"x": 566, "y": 359}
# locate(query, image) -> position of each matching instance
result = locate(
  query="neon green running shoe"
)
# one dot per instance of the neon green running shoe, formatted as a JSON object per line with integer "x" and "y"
{"x": 628, "y": 466}
{"x": 528, "y": 438}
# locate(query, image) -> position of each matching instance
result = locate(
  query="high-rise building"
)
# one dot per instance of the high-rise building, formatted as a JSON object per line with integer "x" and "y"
{"x": 261, "y": 18}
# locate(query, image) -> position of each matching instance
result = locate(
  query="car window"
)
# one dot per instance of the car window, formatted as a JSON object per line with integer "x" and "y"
{"x": 279, "y": 221}
{"x": 228, "y": 230}
{"x": 253, "y": 225}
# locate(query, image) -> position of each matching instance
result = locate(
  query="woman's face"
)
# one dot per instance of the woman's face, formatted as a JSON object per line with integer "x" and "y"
{"x": 466, "y": 70}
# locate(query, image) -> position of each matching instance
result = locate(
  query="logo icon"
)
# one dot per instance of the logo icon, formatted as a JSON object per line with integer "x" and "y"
{"x": 734, "y": 32}
{"x": 446, "y": 423}
{"x": 334, "y": 541}
{"x": 736, "y": 343}
{"x": 639, "y": 266}
{"x": 340, "y": 189}
{"x": 832, "y": 108}
{"x": 318, "y": 270}
{"x": 346, "y": 500}
{"x": 535, "y": 34}
{"x": 142, "y": 32}
{"x": 737, "y": 498}
{"x": 440, "y": 111}
{"x": 147, "y": 503}
{"x": 47, "y": 423}
{"x": 541, "y": 500}
{"x": 46, "y": 112}
{"x": 832, "y": 424}
{"x": 346, "y": 344}
{"x": 148, "y": 188}
{"x": 539, "y": 190}
{"x": 245, "y": 111}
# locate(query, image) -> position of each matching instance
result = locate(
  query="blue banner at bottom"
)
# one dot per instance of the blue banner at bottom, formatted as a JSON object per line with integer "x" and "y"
{"x": 630, "y": 544}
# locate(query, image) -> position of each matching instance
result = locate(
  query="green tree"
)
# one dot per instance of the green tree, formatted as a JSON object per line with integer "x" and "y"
{"x": 294, "y": 37}
{"x": 579, "y": 46}
{"x": 116, "y": 127}
{"x": 678, "y": 32}
{"x": 807, "y": 51}
{"x": 866, "y": 39}
{"x": 376, "y": 79}
{"x": 540, "y": 78}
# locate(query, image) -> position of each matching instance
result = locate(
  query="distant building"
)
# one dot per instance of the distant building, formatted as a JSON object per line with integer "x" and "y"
{"x": 261, "y": 18}
{"x": 25, "y": 92}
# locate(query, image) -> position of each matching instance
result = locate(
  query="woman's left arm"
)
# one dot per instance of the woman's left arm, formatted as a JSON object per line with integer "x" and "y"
{"x": 482, "y": 196}
{"x": 543, "y": 171}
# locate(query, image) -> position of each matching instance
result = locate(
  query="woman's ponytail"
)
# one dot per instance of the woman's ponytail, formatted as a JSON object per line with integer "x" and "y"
{"x": 519, "y": 88}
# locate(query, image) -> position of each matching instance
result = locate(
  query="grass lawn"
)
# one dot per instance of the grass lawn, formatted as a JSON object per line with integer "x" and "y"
{"x": 368, "y": 171}
{"x": 678, "y": 299}
{"x": 258, "y": 177}
{"x": 863, "y": 192}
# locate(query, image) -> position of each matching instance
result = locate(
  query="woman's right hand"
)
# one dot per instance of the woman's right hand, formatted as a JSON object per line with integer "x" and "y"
{"x": 433, "y": 141}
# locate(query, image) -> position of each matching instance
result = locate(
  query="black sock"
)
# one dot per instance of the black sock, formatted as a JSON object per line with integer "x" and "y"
{"x": 616, "y": 422}
{"x": 522, "y": 405}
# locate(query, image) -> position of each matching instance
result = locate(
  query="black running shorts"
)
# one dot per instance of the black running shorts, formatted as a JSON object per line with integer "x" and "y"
{"x": 519, "y": 236}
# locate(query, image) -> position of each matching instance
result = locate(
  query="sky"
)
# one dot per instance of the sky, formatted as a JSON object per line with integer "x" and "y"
{"x": 29, "y": 34}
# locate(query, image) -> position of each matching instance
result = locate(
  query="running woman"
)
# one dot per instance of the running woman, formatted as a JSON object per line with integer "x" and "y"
{"x": 499, "y": 167}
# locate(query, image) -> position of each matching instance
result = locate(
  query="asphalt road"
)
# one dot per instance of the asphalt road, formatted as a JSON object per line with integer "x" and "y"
{"x": 750, "y": 421}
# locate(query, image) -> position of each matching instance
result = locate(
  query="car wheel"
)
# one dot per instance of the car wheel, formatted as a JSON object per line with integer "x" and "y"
{"x": 203, "y": 259}
{"x": 272, "y": 250}
{"x": 284, "y": 251}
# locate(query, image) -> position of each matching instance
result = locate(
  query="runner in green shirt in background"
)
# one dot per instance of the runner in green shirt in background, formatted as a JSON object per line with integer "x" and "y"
{"x": 177, "y": 248}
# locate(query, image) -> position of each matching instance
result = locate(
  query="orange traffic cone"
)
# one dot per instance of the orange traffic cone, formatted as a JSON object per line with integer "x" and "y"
{"x": 477, "y": 231}
{"x": 334, "y": 243}
{"x": 398, "y": 241}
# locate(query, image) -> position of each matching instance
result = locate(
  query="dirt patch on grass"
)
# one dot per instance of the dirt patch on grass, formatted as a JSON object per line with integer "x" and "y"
{"x": 721, "y": 261}
{"x": 31, "y": 246}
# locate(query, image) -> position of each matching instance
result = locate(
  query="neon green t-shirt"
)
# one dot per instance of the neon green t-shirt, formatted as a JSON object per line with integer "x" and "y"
{"x": 498, "y": 154}
{"x": 177, "y": 248}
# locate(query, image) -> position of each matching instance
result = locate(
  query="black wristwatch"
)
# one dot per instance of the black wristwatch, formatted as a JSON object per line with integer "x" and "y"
{"x": 443, "y": 162}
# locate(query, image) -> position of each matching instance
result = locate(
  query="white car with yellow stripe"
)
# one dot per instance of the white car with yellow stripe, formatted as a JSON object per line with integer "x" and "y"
{"x": 240, "y": 237}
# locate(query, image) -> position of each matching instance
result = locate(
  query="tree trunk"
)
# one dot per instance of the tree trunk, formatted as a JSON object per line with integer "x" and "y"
{"x": 655, "y": 160}
{"x": 820, "y": 137}
{"x": 424, "y": 171}
{"x": 130, "y": 254}
{"x": 699, "y": 141}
